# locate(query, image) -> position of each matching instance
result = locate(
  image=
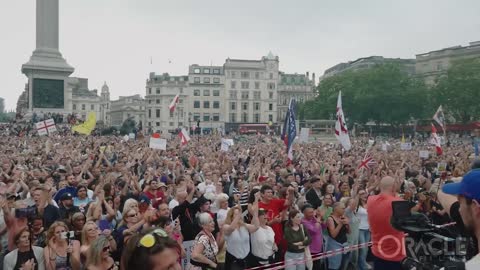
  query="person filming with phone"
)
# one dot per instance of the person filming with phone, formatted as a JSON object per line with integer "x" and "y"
{"x": 61, "y": 252}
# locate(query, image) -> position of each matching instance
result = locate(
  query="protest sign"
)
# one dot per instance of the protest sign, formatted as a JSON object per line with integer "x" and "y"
{"x": 157, "y": 143}
{"x": 424, "y": 154}
{"x": 406, "y": 146}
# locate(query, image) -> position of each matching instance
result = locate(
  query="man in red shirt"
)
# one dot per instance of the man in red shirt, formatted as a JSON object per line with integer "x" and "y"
{"x": 388, "y": 243}
{"x": 274, "y": 211}
{"x": 154, "y": 193}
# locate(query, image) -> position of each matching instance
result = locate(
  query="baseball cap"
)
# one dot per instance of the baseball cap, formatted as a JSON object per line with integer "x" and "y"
{"x": 66, "y": 196}
{"x": 468, "y": 187}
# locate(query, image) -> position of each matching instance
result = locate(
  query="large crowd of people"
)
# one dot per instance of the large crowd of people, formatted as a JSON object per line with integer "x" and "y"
{"x": 103, "y": 202}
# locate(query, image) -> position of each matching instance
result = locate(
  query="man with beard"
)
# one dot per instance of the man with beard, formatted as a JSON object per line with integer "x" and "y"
{"x": 468, "y": 194}
{"x": 66, "y": 207}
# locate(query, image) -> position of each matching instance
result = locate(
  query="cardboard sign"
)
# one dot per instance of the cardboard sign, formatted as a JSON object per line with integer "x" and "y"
{"x": 442, "y": 166}
{"x": 406, "y": 146}
{"x": 131, "y": 136}
{"x": 157, "y": 143}
{"x": 226, "y": 143}
{"x": 424, "y": 154}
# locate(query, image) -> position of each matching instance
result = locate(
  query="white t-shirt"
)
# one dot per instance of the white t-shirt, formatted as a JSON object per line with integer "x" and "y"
{"x": 262, "y": 242}
{"x": 206, "y": 188}
{"x": 222, "y": 215}
{"x": 238, "y": 243}
{"x": 362, "y": 214}
{"x": 172, "y": 204}
{"x": 473, "y": 263}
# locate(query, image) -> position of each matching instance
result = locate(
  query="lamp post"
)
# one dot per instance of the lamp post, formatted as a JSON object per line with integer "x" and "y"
{"x": 189, "y": 123}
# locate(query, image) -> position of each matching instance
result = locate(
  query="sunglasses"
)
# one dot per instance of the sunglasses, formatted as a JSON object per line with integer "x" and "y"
{"x": 105, "y": 249}
{"x": 149, "y": 240}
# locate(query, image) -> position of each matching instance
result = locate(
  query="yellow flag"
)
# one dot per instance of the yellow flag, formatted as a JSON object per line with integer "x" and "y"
{"x": 87, "y": 126}
{"x": 403, "y": 138}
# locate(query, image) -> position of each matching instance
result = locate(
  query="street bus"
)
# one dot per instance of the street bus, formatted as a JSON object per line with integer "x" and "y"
{"x": 253, "y": 129}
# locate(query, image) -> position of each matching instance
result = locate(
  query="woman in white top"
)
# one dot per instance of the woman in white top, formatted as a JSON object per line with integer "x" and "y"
{"x": 364, "y": 234}
{"x": 237, "y": 236}
{"x": 263, "y": 241}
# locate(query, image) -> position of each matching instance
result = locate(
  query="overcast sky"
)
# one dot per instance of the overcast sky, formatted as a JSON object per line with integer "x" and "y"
{"x": 114, "y": 40}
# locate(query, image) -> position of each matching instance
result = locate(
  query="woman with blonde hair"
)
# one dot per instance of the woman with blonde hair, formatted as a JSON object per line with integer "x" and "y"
{"x": 98, "y": 256}
{"x": 90, "y": 233}
{"x": 237, "y": 235}
{"x": 61, "y": 252}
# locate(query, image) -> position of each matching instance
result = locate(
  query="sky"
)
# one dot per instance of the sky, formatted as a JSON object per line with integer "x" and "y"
{"x": 121, "y": 41}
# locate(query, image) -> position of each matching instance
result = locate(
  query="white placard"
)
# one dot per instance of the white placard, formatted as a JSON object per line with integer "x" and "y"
{"x": 126, "y": 138}
{"x": 384, "y": 147}
{"x": 406, "y": 146}
{"x": 131, "y": 136}
{"x": 304, "y": 134}
{"x": 158, "y": 143}
{"x": 424, "y": 154}
{"x": 226, "y": 143}
{"x": 188, "y": 247}
{"x": 371, "y": 142}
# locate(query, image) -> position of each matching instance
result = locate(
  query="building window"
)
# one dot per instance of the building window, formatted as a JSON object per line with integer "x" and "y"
{"x": 216, "y": 117}
{"x": 206, "y": 117}
{"x": 206, "y": 104}
{"x": 206, "y": 80}
{"x": 233, "y": 84}
{"x": 216, "y": 104}
{"x": 245, "y": 106}
{"x": 216, "y": 93}
{"x": 271, "y": 86}
{"x": 74, "y": 106}
{"x": 233, "y": 117}
{"x": 83, "y": 107}
{"x": 245, "y": 74}
{"x": 256, "y": 106}
{"x": 196, "y": 71}
{"x": 233, "y": 74}
{"x": 244, "y": 117}
{"x": 245, "y": 85}
{"x": 149, "y": 91}
{"x": 270, "y": 95}
{"x": 196, "y": 92}
{"x": 157, "y": 113}
{"x": 171, "y": 114}
{"x": 257, "y": 75}
{"x": 196, "y": 116}
{"x": 216, "y": 80}
{"x": 256, "y": 95}
{"x": 149, "y": 101}
{"x": 257, "y": 85}
{"x": 270, "y": 117}
{"x": 181, "y": 90}
{"x": 256, "y": 118}
{"x": 196, "y": 80}
{"x": 171, "y": 124}
{"x": 271, "y": 76}
{"x": 233, "y": 106}
{"x": 180, "y": 101}
{"x": 233, "y": 94}
{"x": 157, "y": 124}
{"x": 157, "y": 101}
{"x": 149, "y": 113}
{"x": 270, "y": 106}
{"x": 244, "y": 94}
{"x": 196, "y": 104}
{"x": 206, "y": 71}
{"x": 158, "y": 90}
{"x": 216, "y": 71}
{"x": 206, "y": 92}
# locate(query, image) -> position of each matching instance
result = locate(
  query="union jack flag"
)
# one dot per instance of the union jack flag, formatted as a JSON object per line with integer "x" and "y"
{"x": 368, "y": 162}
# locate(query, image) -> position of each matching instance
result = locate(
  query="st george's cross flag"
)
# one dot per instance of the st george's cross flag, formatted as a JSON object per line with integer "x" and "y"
{"x": 435, "y": 140}
{"x": 183, "y": 134}
{"x": 341, "y": 131}
{"x": 174, "y": 102}
{"x": 46, "y": 127}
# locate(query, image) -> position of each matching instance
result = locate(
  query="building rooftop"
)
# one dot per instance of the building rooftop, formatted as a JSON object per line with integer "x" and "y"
{"x": 471, "y": 46}
{"x": 167, "y": 77}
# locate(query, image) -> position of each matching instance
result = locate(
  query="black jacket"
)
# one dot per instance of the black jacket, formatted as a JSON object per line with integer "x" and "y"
{"x": 313, "y": 199}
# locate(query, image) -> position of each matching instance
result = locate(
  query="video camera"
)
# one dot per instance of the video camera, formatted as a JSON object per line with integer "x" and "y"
{"x": 428, "y": 246}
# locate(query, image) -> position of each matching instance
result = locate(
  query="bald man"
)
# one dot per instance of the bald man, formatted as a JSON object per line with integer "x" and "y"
{"x": 387, "y": 242}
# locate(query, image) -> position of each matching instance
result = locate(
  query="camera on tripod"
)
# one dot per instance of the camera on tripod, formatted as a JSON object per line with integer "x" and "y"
{"x": 428, "y": 246}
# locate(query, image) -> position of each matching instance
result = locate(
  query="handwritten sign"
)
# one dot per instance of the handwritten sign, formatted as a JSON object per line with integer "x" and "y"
{"x": 406, "y": 146}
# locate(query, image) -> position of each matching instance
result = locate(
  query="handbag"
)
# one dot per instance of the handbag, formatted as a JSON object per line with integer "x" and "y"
{"x": 308, "y": 254}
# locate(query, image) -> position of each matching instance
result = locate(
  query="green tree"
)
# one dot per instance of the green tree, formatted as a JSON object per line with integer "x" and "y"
{"x": 383, "y": 94}
{"x": 127, "y": 126}
{"x": 459, "y": 89}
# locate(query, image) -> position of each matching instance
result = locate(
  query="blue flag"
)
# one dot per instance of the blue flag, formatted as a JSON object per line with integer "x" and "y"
{"x": 291, "y": 128}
